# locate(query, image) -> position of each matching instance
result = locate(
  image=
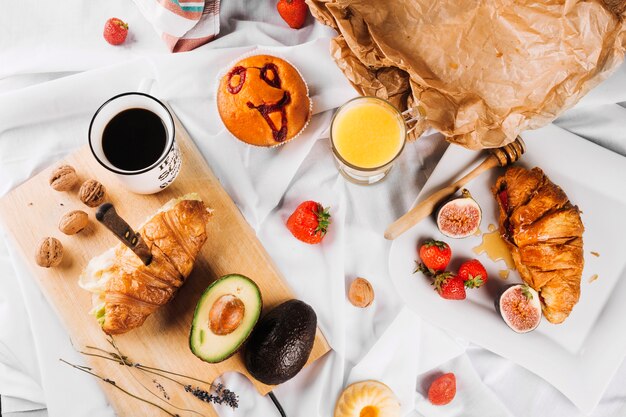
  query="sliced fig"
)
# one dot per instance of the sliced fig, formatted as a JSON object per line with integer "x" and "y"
{"x": 459, "y": 217}
{"x": 520, "y": 308}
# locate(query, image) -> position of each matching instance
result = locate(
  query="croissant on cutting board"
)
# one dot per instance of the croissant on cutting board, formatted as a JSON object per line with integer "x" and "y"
{"x": 125, "y": 291}
{"x": 543, "y": 231}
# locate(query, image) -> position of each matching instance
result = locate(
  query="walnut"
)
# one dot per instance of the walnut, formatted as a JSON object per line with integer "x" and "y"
{"x": 73, "y": 222}
{"x": 92, "y": 193}
{"x": 63, "y": 178}
{"x": 49, "y": 252}
{"x": 361, "y": 293}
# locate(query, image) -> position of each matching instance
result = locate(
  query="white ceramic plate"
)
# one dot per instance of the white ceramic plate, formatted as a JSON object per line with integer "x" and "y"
{"x": 580, "y": 356}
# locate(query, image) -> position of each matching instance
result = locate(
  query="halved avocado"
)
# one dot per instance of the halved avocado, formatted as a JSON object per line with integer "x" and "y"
{"x": 224, "y": 318}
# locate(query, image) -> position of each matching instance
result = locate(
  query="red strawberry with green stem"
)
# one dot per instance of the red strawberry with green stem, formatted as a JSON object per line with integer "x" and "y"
{"x": 115, "y": 31}
{"x": 435, "y": 256}
{"x": 449, "y": 286}
{"x": 309, "y": 222}
{"x": 473, "y": 273}
{"x": 293, "y": 12}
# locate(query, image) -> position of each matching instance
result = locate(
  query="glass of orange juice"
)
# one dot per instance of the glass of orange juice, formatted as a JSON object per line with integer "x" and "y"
{"x": 367, "y": 134}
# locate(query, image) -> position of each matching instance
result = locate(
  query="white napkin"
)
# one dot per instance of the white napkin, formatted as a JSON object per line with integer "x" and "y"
{"x": 472, "y": 399}
{"x": 527, "y": 395}
{"x": 394, "y": 359}
{"x": 50, "y": 37}
{"x": 20, "y": 376}
{"x": 61, "y": 386}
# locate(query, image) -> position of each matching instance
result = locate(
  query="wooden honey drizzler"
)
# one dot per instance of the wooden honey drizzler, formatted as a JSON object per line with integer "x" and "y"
{"x": 502, "y": 157}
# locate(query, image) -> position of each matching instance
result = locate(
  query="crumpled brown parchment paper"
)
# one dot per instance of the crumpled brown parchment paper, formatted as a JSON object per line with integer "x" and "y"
{"x": 483, "y": 71}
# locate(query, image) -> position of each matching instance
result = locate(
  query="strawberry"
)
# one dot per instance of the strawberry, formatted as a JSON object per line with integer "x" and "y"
{"x": 115, "y": 31}
{"x": 309, "y": 222}
{"x": 442, "y": 390}
{"x": 293, "y": 12}
{"x": 449, "y": 286}
{"x": 435, "y": 255}
{"x": 473, "y": 273}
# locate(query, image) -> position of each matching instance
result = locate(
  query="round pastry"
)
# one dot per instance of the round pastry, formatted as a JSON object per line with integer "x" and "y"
{"x": 367, "y": 399}
{"x": 263, "y": 101}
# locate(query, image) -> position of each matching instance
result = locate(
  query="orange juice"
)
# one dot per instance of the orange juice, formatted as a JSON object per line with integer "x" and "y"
{"x": 368, "y": 133}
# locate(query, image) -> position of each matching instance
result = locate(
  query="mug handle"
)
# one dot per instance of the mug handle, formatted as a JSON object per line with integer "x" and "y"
{"x": 145, "y": 85}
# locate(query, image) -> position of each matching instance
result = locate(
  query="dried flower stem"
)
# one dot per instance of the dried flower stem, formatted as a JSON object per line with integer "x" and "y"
{"x": 155, "y": 371}
{"x": 135, "y": 365}
{"x": 111, "y": 382}
{"x": 129, "y": 364}
{"x": 221, "y": 395}
{"x": 123, "y": 360}
{"x": 115, "y": 358}
{"x": 173, "y": 373}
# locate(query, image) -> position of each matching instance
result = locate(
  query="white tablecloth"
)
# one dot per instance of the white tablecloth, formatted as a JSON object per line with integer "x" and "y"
{"x": 55, "y": 69}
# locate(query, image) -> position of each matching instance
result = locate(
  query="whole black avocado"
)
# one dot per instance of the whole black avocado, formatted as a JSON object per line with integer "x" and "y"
{"x": 281, "y": 343}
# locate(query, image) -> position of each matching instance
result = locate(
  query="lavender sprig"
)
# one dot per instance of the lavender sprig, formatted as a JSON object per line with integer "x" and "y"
{"x": 119, "y": 355}
{"x": 158, "y": 385}
{"x": 114, "y": 384}
{"x": 223, "y": 395}
{"x": 217, "y": 393}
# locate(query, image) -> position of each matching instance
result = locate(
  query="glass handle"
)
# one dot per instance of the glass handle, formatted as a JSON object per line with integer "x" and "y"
{"x": 412, "y": 116}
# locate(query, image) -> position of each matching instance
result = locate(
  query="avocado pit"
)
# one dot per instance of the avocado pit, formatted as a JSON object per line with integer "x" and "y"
{"x": 226, "y": 314}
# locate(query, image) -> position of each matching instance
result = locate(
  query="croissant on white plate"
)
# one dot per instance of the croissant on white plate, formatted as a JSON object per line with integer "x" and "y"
{"x": 125, "y": 290}
{"x": 543, "y": 231}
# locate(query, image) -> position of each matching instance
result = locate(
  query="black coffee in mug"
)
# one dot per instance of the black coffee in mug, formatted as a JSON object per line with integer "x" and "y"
{"x": 134, "y": 139}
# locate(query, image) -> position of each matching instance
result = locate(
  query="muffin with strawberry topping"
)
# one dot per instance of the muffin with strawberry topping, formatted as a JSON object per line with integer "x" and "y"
{"x": 263, "y": 101}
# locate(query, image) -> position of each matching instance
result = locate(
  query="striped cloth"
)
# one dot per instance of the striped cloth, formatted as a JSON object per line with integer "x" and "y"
{"x": 183, "y": 24}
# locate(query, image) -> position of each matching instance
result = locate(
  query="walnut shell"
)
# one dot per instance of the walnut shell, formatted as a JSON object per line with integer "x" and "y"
{"x": 92, "y": 193}
{"x": 361, "y": 293}
{"x": 49, "y": 252}
{"x": 63, "y": 178}
{"x": 73, "y": 222}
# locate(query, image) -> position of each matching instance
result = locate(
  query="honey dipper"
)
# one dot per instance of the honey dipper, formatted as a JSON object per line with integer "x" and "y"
{"x": 502, "y": 157}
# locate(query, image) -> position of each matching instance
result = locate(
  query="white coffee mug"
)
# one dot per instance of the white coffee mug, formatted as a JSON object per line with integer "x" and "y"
{"x": 160, "y": 174}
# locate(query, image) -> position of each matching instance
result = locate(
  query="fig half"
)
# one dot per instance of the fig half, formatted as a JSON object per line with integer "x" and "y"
{"x": 520, "y": 308}
{"x": 459, "y": 217}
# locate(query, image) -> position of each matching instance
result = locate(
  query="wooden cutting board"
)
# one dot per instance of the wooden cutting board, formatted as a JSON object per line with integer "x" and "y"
{"x": 32, "y": 211}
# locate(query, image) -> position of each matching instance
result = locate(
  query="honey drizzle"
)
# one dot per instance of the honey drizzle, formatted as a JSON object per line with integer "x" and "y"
{"x": 504, "y": 273}
{"x": 495, "y": 248}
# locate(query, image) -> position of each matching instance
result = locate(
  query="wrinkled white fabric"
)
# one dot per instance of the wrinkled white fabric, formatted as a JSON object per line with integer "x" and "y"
{"x": 55, "y": 69}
